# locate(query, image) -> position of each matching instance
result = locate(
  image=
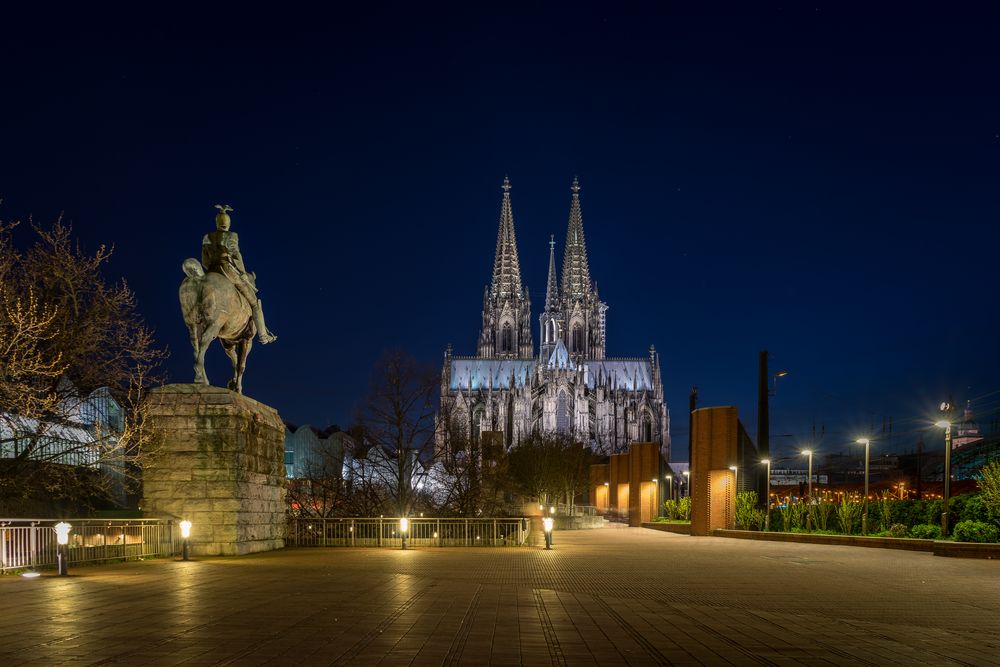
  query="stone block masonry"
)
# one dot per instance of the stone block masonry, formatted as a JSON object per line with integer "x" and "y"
{"x": 220, "y": 465}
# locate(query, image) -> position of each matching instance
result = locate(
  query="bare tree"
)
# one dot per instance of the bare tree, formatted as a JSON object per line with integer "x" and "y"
{"x": 551, "y": 465}
{"x": 397, "y": 417}
{"x": 73, "y": 349}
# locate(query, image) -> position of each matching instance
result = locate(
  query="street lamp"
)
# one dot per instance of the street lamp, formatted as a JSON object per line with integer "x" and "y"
{"x": 687, "y": 481}
{"x": 670, "y": 487}
{"x": 186, "y": 535}
{"x": 767, "y": 500}
{"x": 736, "y": 478}
{"x": 404, "y": 526}
{"x": 547, "y": 525}
{"x": 864, "y": 515}
{"x": 946, "y": 411}
{"x": 62, "y": 555}
{"x": 808, "y": 452}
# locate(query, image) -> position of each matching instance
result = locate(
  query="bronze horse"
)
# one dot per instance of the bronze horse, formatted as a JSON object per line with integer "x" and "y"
{"x": 213, "y": 308}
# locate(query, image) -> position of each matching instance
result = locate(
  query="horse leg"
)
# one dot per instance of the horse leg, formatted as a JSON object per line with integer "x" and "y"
{"x": 199, "y": 356}
{"x": 230, "y": 348}
{"x": 206, "y": 338}
{"x": 244, "y": 352}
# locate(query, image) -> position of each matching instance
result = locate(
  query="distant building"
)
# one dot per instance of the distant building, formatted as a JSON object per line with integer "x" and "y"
{"x": 967, "y": 430}
{"x": 570, "y": 386}
{"x": 312, "y": 453}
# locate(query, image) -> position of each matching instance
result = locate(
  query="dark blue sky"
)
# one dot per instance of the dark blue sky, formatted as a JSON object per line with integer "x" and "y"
{"x": 820, "y": 181}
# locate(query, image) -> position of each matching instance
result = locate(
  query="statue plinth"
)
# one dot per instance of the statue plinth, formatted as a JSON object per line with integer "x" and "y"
{"x": 220, "y": 465}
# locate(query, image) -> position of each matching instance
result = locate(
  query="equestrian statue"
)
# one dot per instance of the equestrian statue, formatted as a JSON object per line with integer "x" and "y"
{"x": 219, "y": 300}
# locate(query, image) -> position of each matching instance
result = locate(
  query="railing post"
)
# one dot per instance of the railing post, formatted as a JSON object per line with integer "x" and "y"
{"x": 33, "y": 544}
{"x": 438, "y": 531}
{"x": 378, "y": 540}
{"x": 466, "y": 533}
{"x": 352, "y": 532}
{"x": 494, "y": 532}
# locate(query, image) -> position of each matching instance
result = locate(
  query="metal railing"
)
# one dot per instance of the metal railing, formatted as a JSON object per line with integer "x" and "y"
{"x": 31, "y": 543}
{"x": 576, "y": 510}
{"x": 421, "y": 532}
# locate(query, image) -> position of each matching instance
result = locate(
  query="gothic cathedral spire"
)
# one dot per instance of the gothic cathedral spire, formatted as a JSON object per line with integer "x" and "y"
{"x": 506, "y": 267}
{"x": 576, "y": 270}
{"x": 506, "y": 331}
{"x": 584, "y": 320}
{"x": 551, "y": 320}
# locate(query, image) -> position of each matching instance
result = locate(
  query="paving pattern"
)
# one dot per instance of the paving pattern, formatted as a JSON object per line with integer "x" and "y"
{"x": 618, "y": 596}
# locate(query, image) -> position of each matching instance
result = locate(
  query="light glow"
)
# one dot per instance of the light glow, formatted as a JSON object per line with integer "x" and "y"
{"x": 942, "y": 424}
{"x": 185, "y": 529}
{"x": 62, "y": 532}
{"x": 547, "y": 524}
{"x": 404, "y": 524}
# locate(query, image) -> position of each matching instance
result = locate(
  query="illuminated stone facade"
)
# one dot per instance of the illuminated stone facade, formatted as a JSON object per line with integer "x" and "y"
{"x": 570, "y": 386}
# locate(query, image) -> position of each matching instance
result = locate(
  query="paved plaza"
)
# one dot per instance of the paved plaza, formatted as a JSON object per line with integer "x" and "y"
{"x": 613, "y": 596}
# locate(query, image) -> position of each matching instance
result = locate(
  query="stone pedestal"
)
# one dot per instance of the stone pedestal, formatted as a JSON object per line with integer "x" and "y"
{"x": 220, "y": 466}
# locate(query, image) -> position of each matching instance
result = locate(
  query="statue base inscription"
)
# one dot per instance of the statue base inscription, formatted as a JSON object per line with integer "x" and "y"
{"x": 220, "y": 466}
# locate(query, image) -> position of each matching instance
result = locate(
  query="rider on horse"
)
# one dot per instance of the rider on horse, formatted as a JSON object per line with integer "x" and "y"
{"x": 220, "y": 253}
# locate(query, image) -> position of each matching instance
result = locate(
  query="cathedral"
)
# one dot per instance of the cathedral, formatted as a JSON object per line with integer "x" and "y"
{"x": 570, "y": 386}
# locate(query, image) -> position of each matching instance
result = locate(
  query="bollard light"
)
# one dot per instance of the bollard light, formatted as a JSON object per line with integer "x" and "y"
{"x": 404, "y": 526}
{"x": 62, "y": 554}
{"x": 552, "y": 510}
{"x": 186, "y": 534}
{"x": 547, "y": 523}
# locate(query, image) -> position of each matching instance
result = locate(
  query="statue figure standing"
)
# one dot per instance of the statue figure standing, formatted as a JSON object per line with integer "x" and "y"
{"x": 220, "y": 253}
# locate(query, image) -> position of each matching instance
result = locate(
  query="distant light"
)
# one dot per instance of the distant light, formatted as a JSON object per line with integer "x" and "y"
{"x": 185, "y": 529}
{"x": 687, "y": 474}
{"x": 781, "y": 374}
{"x": 547, "y": 524}
{"x": 435, "y": 534}
{"x": 765, "y": 461}
{"x": 655, "y": 480}
{"x": 31, "y": 575}
{"x": 552, "y": 510}
{"x": 607, "y": 484}
{"x": 733, "y": 468}
{"x": 942, "y": 424}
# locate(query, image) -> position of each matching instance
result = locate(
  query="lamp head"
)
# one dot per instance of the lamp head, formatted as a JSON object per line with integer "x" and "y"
{"x": 404, "y": 524}
{"x": 733, "y": 468}
{"x": 62, "y": 532}
{"x": 766, "y": 461}
{"x": 185, "y": 529}
{"x": 807, "y": 452}
{"x": 687, "y": 473}
{"x": 547, "y": 524}
{"x": 863, "y": 441}
{"x": 944, "y": 423}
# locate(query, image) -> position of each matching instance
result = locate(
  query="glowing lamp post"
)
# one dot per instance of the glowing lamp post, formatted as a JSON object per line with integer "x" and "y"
{"x": 767, "y": 492}
{"x": 736, "y": 478}
{"x": 404, "y": 528}
{"x": 547, "y": 525}
{"x": 670, "y": 487}
{"x": 864, "y": 515}
{"x": 186, "y": 535}
{"x": 687, "y": 481}
{"x": 809, "y": 516}
{"x": 62, "y": 555}
{"x": 946, "y": 425}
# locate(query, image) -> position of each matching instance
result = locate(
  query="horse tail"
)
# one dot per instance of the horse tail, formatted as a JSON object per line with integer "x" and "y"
{"x": 192, "y": 268}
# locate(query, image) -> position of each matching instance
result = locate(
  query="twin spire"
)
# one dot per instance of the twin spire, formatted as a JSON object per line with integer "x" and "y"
{"x": 576, "y": 269}
{"x": 506, "y": 267}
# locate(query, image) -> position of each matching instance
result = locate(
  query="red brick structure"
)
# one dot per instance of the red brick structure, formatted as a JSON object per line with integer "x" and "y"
{"x": 629, "y": 483}
{"x": 715, "y": 446}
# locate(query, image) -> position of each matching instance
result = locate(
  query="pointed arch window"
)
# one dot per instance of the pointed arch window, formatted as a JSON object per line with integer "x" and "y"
{"x": 577, "y": 341}
{"x": 647, "y": 427}
{"x": 562, "y": 413}
{"x": 507, "y": 338}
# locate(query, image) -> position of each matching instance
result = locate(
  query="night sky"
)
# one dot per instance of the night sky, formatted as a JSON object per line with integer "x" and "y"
{"x": 817, "y": 180}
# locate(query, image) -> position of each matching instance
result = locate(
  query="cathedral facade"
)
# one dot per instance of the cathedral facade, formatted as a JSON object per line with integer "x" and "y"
{"x": 569, "y": 386}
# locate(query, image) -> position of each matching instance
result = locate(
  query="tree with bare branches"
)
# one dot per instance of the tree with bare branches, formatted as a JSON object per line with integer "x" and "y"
{"x": 397, "y": 417}
{"x": 75, "y": 358}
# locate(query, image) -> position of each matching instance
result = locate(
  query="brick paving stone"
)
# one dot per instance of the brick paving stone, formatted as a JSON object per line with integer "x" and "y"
{"x": 601, "y": 597}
